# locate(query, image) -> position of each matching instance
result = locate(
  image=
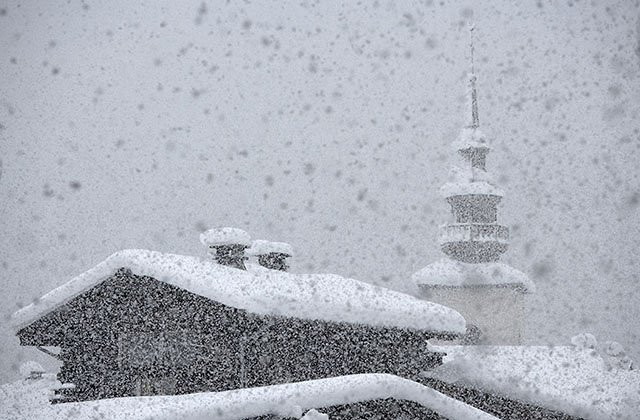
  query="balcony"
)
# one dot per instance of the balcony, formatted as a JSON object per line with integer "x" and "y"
{"x": 474, "y": 232}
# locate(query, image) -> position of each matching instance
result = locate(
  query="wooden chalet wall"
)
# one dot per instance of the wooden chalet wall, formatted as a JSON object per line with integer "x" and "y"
{"x": 134, "y": 335}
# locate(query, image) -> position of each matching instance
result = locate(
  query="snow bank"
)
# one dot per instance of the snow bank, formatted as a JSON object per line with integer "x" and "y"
{"x": 261, "y": 247}
{"x": 225, "y": 236}
{"x": 574, "y": 381}
{"x": 22, "y": 400}
{"x": 451, "y": 273}
{"x": 325, "y": 297}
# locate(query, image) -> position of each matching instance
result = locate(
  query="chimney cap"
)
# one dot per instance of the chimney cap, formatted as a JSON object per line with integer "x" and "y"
{"x": 262, "y": 247}
{"x": 225, "y": 236}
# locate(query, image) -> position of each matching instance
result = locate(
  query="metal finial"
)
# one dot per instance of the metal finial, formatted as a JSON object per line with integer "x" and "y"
{"x": 475, "y": 120}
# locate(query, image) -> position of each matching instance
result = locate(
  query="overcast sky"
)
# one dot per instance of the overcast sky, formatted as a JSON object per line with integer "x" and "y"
{"x": 329, "y": 127}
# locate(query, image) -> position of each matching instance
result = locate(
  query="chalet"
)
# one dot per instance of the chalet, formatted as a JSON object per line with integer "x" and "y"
{"x": 148, "y": 323}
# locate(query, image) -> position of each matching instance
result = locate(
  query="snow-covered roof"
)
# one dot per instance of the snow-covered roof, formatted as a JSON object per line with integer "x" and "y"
{"x": 327, "y": 297}
{"x": 574, "y": 381}
{"x": 29, "y": 400}
{"x": 463, "y": 188}
{"x": 470, "y": 137}
{"x": 225, "y": 236}
{"x": 29, "y": 367}
{"x": 450, "y": 273}
{"x": 260, "y": 247}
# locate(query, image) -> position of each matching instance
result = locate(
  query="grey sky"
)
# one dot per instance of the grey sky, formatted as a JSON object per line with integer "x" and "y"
{"x": 327, "y": 126}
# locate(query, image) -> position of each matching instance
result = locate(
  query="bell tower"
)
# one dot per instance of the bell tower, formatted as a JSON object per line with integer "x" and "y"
{"x": 470, "y": 279}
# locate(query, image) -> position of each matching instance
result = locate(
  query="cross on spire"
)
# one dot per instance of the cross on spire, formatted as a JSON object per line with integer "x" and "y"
{"x": 475, "y": 120}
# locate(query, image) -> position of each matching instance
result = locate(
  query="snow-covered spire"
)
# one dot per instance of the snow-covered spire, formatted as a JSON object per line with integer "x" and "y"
{"x": 475, "y": 236}
{"x": 473, "y": 94}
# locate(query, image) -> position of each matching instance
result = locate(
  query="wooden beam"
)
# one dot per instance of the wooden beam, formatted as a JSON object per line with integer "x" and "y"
{"x": 48, "y": 352}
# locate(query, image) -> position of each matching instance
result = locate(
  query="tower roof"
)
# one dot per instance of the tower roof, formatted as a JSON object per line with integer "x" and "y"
{"x": 471, "y": 136}
{"x": 451, "y": 273}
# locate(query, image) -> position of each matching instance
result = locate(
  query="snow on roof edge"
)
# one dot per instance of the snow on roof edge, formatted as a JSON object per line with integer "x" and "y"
{"x": 225, "y": 236}
{"x": 297, "y": 397}
{"x": 449, "y": 273}
{"x": 28, "y": 399}
{"x": 451, "y": 189}
{"x": 261, "y": 246}
{"x": 353, "y": 301}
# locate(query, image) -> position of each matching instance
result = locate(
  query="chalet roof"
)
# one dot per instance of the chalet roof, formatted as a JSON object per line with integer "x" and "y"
{"x": 29, "y": 399}
{"x": 325, "y": 297}
{"x": 568, "y": 379}
{"x": 450, "y": 273}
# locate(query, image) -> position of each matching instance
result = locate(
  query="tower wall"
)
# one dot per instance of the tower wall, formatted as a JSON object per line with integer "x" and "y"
{"x": 474, "y": 208}
{"x": 498, "y": 311}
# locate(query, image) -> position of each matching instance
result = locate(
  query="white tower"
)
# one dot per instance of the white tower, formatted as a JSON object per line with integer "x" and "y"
{"x": 489, "y": 294}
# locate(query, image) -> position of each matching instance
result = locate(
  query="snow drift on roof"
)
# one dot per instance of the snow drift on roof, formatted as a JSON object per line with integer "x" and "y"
{"x": 325, "y": 297}
{"x": 259, "y": 247}
{"x": 29, "y": 400}
{"x": 451, "y": 273}
{"x": 574, "y": 381}
{"x": 225, "y": 236}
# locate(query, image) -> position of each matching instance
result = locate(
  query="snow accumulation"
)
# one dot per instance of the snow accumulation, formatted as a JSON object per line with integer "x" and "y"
{"x": 573, "y": 380}
{"x": 261, "y": 247}
{"x": 471, "y": 138}
{"x": 30, "y": 367}
{"x": 451, "y": 189}
{"x": 29, "y": 400}
{"x": 450, "y": 273}
{"x": 327, "y": 297}
{"x": 225, "y": 236}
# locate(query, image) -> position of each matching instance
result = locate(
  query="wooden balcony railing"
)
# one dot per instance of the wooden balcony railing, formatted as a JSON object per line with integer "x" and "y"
{"x": 474, "y": 232}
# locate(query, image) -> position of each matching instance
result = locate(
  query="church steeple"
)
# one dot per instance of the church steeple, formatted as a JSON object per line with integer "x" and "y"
{"x": 475, "y": 235}
{"x": 488, "y": 293}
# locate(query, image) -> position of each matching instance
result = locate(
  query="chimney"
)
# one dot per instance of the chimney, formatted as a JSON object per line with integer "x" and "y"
{"x": 226, "y": 245}
{"x": 272, "y": 255}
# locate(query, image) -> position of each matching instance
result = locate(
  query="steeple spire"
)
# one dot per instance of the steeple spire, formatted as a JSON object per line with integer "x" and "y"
{"x": 475, "y": 120}
{"x": 475, "y": 236}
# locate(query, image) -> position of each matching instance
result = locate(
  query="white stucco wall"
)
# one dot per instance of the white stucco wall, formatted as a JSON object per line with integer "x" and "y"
{"x": 497, "y": 310}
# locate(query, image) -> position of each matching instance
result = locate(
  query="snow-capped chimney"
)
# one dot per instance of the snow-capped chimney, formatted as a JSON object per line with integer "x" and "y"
{"x": 227, "y": 245}
{"x": 272, "y": 255}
